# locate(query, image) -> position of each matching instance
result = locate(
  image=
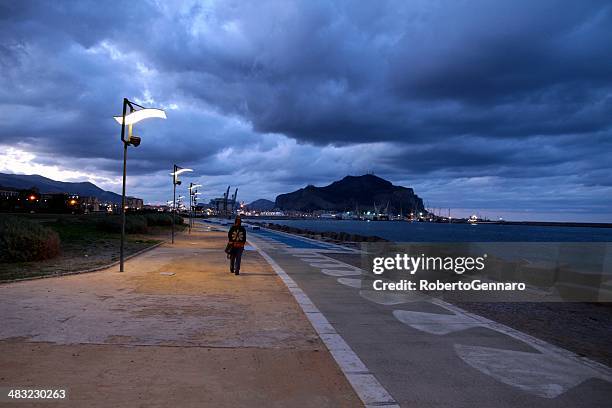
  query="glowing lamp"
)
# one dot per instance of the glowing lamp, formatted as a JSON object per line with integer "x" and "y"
{"x": 141, "y": 114}
{"x": 179, "y": 171}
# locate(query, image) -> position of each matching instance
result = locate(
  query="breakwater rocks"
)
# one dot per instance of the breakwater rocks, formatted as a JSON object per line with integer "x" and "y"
{"x": 343, "y": 237}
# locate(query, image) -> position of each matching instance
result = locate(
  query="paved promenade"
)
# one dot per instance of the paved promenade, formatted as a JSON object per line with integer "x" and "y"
{"x": 176, "y": 329}
{"x": 424, "y": 352}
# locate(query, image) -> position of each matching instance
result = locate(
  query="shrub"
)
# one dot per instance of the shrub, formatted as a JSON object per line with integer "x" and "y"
{"x": 161, "y": 220}
{"x": 22, "y": 240}
{"x": 109, "y": 224}
{"x": 134, "y": 224}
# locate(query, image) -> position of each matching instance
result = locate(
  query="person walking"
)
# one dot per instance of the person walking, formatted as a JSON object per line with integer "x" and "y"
{"x": 237, "y": 238}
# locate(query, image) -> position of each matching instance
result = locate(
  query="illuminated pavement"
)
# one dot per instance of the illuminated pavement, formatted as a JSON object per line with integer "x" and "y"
{"x": 428, "y": 353}
{"x": 175, "y": 330}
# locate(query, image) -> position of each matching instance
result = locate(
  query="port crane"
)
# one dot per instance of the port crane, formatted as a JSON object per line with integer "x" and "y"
{"x": 228, "y": 204}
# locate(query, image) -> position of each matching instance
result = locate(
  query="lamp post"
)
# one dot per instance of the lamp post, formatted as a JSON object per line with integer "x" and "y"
{"x": 175, "y": 173}
{"x": 135, "y": 115}
{"x": 192, "y": 193}
{"x": 195, "y": 203}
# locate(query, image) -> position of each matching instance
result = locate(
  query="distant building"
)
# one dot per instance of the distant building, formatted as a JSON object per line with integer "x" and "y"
{"x": 7, "y": 194}
{"x": 154, "y": 207}
{"x": 8, "y": 200}
{"x": 54, "y": 202}
{"x": 31, "y": 200}
{"x": 133, "y": 203}
{"x": 90, "y": 204}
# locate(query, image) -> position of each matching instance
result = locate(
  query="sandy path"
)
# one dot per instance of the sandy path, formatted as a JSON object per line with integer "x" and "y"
{"x": 199, "y": 337}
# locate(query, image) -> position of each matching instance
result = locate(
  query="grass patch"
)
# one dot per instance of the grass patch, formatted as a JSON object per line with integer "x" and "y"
{"x": 83, "y": 243}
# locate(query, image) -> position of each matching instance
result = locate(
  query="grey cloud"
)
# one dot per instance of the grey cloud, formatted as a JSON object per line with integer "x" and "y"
{"x": 426, "y": 93}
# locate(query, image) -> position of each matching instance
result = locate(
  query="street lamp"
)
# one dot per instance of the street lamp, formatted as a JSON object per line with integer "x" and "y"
{"x": 134, "y": 116}
{"x": 192, "y": 193}
{"x": 175, "y": 173}
{"x": 195, "y": 203}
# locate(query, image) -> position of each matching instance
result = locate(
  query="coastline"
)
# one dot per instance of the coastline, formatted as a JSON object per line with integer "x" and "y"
{"x": 463, "y": 222}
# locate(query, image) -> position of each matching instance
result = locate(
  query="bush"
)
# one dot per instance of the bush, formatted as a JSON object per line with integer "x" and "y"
{"x": 134, "y": 224}
{"x": 160, "y": 220}
{"x": 22, "y": 240}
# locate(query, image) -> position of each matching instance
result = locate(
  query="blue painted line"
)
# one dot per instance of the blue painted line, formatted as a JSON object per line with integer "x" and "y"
{"x": 287, "y": 240}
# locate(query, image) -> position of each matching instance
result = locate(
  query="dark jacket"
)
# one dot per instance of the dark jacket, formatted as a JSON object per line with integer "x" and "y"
{"x": 237, "y": 236}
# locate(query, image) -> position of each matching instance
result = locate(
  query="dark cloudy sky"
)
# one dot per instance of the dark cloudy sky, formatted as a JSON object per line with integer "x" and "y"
{"x": 503, "y": 108}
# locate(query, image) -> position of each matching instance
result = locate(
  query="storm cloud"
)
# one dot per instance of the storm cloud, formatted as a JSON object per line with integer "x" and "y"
{"x": 502, "y": 108}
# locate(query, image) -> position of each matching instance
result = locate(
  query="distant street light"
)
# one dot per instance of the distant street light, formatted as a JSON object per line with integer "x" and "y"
{"x": 192, "y": 193}
{"x": 175, "y": 173}
{"x": 195, "y": 202}
{"x": 134, "y": 116}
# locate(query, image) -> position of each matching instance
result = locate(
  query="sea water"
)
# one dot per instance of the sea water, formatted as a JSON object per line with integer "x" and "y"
{"x": 402, "y": 231}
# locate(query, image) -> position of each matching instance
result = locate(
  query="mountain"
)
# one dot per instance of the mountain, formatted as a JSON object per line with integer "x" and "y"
{"x": 45, "y": 185}
{"x": 362, "y": 192}
{"x": 261, "y": 205}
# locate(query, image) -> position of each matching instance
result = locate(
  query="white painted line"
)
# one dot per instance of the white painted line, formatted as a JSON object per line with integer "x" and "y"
{"x": 387, "y": 298}
{"x": 547, "y": 373}
{"x": 368, "y": 388}
{"x": 305, "y": 253}
{"x": 372, "y": 392}
{"x": 544, "y": 375}
{"x": 340, "y": 272}
{"x": 335, "y": 263}
{"x": 319, "y": 320}
{"x": 322, "y": 265}
{"x": 540, "y": 345}
{"x": 352, "y": 282}
{"x": 435, "y": 323}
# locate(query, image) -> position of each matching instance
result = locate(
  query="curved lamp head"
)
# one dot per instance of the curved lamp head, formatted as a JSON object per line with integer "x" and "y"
{"x": 141, "y": 114}
{"x": 195, "y": 186}
{"x": 179, "y": 171}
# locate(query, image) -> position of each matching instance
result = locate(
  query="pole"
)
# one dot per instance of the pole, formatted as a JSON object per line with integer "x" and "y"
{"x": 173, "y": 202}
{"x": 121, "y": 251}
{"x": 190, "y": 205}
{"x": 125, "y": 146}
